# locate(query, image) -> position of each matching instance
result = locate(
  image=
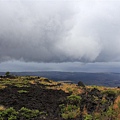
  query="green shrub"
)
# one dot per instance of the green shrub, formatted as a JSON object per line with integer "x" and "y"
{"x": 110, "y": 112}
{"x": 9, "y": 113}
{"x": 103, "y": 101}
{"x": 74, "y": 99}
{"x": 110, "y": 93}
{"x": 27, "y": 113}
{"x": 23, "y": 91}
{"x": 12, "y": 117}
{"x": 71, "y": 109}
{"x": 88, "y": 117}
{"x": 12, "y": 114}
{"x": 70, "y": 112}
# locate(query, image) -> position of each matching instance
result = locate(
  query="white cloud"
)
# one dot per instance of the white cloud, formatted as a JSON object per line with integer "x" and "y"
{"x": 60, "y": 31}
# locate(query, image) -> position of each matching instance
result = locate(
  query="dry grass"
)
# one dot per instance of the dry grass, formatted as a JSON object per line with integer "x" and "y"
{"x": 2, "y": 108}
{"x": 84, "y": 111}
{"x": 115, "y": 106}
{"x": 70, "y": 88}
{"x": 32, "y": 82}
{"x": 2, "y": 86}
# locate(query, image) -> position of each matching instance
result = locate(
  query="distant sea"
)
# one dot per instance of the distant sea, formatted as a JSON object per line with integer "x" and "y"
{"x": 101, "y": 79}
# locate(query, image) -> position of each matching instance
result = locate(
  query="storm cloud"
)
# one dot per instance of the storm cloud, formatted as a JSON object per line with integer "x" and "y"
{"x": 60, "y": 30}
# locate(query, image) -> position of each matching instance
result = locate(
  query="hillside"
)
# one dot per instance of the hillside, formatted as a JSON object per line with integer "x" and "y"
{"x": 38, "y": 98}
{"x": 100, "y": 79}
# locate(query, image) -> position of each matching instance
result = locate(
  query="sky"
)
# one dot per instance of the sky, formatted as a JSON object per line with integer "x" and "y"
{"x": 60, "y": 35}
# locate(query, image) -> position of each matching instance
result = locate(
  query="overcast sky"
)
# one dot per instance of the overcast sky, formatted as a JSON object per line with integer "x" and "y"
{"x": 65, "y": 35}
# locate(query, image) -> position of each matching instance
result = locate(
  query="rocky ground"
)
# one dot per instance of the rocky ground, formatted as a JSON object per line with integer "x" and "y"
{"x": 56, "y": 101}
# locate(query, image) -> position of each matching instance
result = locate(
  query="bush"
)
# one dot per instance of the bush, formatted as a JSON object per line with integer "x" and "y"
{"x": 23, "y": 91}
{"x": 24, "y": 113}
{"x": 110, "y": 93}
{"x": 27, "y": 113}
{"x": 70, "y": 112}
{"x": 74, "y": 99}
{"x": 88, "y": 117}
{"x": 109, "y": 114}
{"x": 9, "y": 113}
{"x": 72, "y": 108}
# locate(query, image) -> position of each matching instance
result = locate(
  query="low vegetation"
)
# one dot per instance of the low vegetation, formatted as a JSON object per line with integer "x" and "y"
{"x": 38, "y": 98}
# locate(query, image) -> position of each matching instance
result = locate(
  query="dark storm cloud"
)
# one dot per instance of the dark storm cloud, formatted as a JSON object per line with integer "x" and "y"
{"x": 60, "y": 30}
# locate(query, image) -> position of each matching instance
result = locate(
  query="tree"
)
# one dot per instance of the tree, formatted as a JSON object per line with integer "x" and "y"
{"x": 7, "y": 73}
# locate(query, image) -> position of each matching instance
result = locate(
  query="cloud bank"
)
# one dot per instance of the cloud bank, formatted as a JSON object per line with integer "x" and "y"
{"x": 60, "y": 30}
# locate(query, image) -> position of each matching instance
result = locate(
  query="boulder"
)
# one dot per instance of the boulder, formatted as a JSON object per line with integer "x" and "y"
{"x": 81, "y": 84}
